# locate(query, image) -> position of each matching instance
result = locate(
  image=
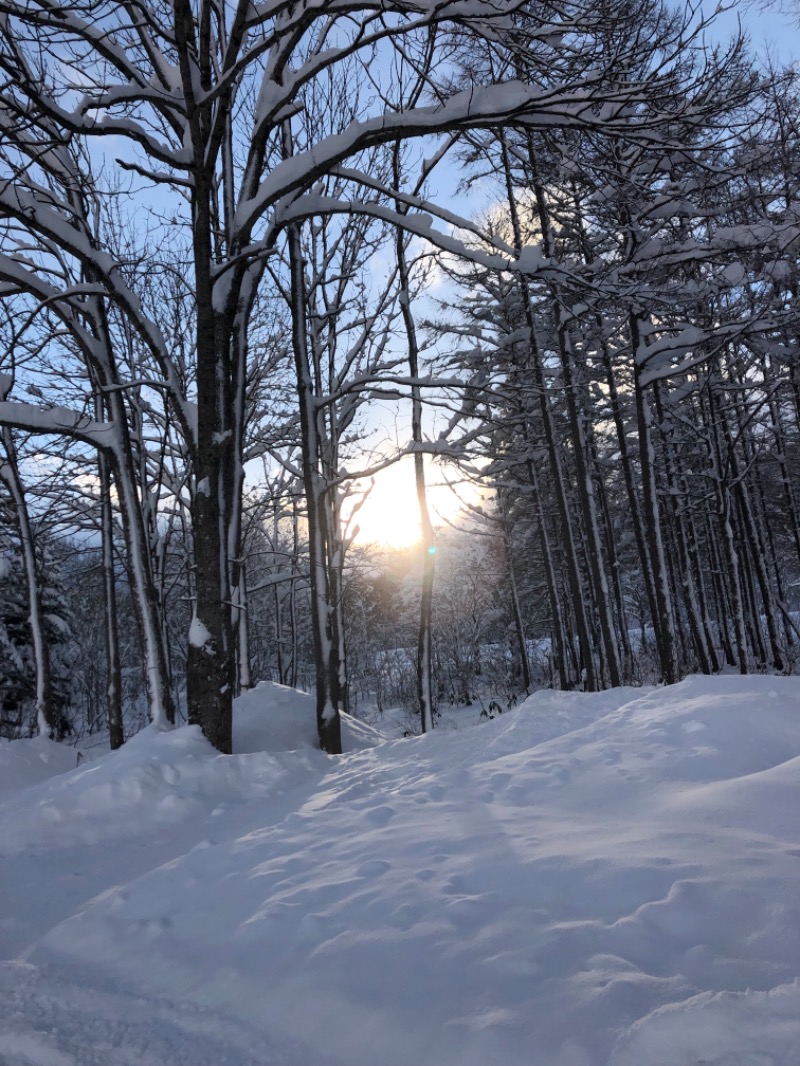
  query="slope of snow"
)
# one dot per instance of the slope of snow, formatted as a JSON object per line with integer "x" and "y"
{"x": 604, "y": 879}
{"x": 25, "y": 762}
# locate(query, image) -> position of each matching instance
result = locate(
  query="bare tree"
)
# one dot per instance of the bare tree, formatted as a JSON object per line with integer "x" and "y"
{"x": 204, "y": 101}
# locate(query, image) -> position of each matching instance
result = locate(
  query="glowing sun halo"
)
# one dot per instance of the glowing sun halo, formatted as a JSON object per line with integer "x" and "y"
{"x": 390, "y": 515}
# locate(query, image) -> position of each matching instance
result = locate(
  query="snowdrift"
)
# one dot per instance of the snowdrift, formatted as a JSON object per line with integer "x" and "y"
{"x": 275, "y": 718}
{"x": 606, "y": 879}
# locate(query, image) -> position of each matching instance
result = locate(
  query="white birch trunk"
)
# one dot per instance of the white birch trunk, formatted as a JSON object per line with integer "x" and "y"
{"x": 9, "y": 472}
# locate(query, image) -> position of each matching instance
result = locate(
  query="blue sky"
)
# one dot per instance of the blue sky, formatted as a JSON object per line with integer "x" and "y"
{"x": 768, "y": 26}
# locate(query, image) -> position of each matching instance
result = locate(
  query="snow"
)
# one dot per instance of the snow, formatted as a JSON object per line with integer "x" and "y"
{"x": 276, "y": 718}
{"x": 531, "y": 259}
{"x": 199, "y": 636}
{"x": 602, "y": 879}
{"x": 26, "y": 762}
{"x": 57, "y": 420}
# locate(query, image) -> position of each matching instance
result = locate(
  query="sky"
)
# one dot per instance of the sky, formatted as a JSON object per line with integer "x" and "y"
{"x": 770, "y": 26}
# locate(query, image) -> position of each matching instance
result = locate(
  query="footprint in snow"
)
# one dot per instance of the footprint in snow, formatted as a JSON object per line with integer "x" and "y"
{"x": 381, "y": 815}
{"x": 373, "y": 868}
{"x": 499, "y": 780}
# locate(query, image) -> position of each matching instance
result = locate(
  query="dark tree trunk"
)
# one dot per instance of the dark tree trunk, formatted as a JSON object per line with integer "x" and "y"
{"x": 210, "y": 655}
{"x": 427, "y": 544}
{"x": 665, "y": 633}
{"x": 326, "y": 668}
{"x": 534, "y": 370}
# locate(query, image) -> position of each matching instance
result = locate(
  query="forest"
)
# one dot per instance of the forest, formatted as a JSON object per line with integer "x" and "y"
{"x": 252, "y": 254}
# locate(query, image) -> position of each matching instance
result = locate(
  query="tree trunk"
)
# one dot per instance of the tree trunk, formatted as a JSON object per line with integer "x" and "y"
{"x": 728, "y": 543}
{"x": 665, "y": 634}
{"x": 588, "y": 670}
{"x": 577, "y": 421}
{"x": 46, "y": 717}
{"x": 519, "y": 624}
{"x": 116, "y": 735}
{"x": 327, "y": 680}
{"x": 683, "y": 544}
{"x": 210, "y": 654}
{"x": 132, "y": 489}
{"x": 427, "y": 544}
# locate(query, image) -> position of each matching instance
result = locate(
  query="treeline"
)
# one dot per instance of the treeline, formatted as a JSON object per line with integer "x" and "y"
{"x": 475, "y": 656}
{"x": 241, "y": 280}
{"x": 636, "y": 396}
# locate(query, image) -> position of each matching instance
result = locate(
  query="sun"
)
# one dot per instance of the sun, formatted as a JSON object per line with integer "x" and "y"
{"x": 390, "y": 515}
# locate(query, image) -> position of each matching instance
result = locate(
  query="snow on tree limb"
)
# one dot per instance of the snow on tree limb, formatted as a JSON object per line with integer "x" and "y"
{"x": 477, "y": 107}
{"x": 58, "y": 421}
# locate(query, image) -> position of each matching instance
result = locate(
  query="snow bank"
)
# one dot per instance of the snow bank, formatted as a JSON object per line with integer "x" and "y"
{"x": 27, "y": 762}
{"x": 591, "y": 880}
{"x": 275, "y": 718}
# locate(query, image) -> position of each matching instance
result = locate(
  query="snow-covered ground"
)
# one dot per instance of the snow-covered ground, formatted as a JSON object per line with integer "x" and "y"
{"x": 590, "y": 880}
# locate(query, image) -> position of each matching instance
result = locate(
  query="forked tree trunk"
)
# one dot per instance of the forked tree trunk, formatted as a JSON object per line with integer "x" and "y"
{"x": 122, "y": 468}
{"x": 327, "y": 680}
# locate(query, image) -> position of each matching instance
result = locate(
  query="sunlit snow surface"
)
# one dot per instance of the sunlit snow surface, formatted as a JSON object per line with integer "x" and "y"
{"x": 590, "y": 880}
